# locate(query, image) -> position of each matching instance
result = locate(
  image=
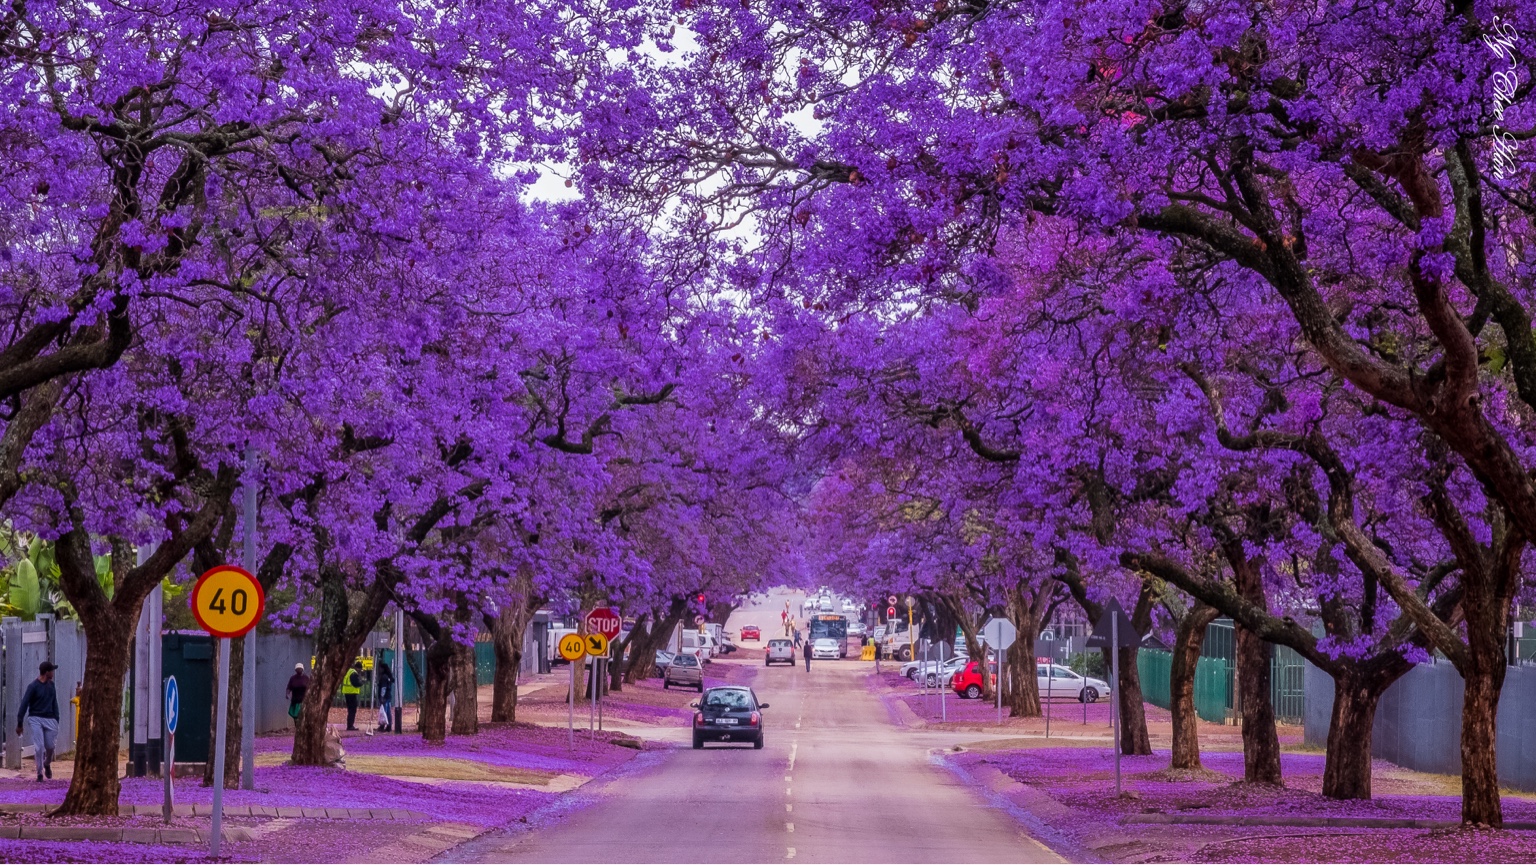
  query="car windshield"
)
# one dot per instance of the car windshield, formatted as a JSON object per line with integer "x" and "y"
{"x": 685, "y": 661}
{"x": 778, "y": 643}
{"x": 731, "y": 699}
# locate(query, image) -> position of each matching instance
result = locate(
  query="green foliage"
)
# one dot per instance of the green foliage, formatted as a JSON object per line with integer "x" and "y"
{"x": 1089, "y": 664}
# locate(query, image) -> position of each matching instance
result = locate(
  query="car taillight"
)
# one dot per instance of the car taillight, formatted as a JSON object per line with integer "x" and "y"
{"x": 698, "y": 718}
{"x": 754, "y": 719}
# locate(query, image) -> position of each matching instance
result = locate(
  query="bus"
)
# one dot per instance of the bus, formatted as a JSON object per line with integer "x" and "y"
{"x": 831, "y": 626}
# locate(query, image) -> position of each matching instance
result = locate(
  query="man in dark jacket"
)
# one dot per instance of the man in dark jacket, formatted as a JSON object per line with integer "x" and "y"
{"x": 40, "y": 709}
{"x": 385, "y": 685}
{"x": 298, "y": 686}
{"x": 807, "y": 656}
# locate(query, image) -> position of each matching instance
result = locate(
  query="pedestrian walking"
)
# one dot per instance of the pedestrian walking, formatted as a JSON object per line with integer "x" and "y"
{"x": 40, "y": 710}
{"x": 351, "y": 687}
{"x": 385, "y": 682}
{"x": 797, "y": 638}
{"x": 298, "y": 686}
{"x": 807, "y": 656}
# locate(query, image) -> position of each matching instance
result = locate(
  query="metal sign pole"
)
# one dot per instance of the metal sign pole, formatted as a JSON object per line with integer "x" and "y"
{"x": 169, "y": 768}
{"x": 221, "y": 731}
{"x": 248, "y": 677}
{"x": 1114, "y": 703}
{"x": 1050, "y": 688}
{"x": 997, "y": 685}
{"x": 570, "y": 715}
{"x": 602, "y": 663}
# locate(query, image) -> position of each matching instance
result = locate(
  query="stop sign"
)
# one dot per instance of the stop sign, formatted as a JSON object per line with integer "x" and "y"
{"x": 605, "y": 621}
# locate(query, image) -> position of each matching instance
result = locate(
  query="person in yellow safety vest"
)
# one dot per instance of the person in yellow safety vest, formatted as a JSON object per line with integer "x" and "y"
{"x": 351, "y": 687}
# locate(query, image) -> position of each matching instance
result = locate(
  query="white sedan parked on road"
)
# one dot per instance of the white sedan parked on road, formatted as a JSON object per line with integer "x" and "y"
{"x": 1061, "y": 681}
{"x": 825, "y": 649}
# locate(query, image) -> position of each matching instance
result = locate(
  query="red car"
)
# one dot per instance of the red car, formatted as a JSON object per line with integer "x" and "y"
{"x": 967, "y": 682}
{"x": 751, "y": 632}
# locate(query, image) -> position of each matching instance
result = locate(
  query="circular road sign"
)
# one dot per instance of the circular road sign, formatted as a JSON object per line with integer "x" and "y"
{"x": 605, "y": 621}
{"x": 698, "y": 620}
{"x": 893, "y": 600}
{"x": 597, "y": 644}
{"x": 572, "y": 647}
{"x": 172, "y": 705}
{"x": 227, "y": 601}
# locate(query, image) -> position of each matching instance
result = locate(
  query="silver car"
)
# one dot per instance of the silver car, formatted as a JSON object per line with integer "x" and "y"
{"x": 779, "y": 650}
{"x": 684, "y": 670}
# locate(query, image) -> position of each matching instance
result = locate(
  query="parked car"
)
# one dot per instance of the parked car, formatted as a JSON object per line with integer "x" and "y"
{"x": 1063, "y": 681}
{"x": 726, "y": 646}
{"x": 779, "y": 650}
{"x": 826, "y": 648}
{"x": 750, "y": 632}
{"x": 684, "y": 670}
{"x": 967, "y": 682}
{"x": 726, "y": 715}
{"x": 940, "y": 674}
{"x": 663, "y": 661}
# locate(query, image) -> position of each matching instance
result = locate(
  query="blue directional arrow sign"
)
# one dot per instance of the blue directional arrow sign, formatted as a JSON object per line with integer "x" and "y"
{"x": 172, "y": 705}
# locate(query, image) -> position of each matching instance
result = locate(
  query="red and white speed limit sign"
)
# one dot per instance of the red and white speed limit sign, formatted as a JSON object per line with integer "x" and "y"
{"x": 605, "y": 621}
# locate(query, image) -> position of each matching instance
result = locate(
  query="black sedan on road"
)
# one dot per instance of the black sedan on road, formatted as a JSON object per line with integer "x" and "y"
{"x": 729, "y": 714}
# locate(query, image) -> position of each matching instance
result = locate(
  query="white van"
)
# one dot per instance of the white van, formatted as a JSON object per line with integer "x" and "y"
{"x": 695, "y": 643}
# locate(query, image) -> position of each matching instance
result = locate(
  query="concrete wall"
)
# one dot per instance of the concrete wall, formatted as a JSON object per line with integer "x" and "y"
{"x": 275, "y": 656}
{"x": 1418, "y": 724}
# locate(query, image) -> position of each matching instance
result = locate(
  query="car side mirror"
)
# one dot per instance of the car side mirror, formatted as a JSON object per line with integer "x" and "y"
{"x": 762, "y": 705}
{"x": 694, "y": 704}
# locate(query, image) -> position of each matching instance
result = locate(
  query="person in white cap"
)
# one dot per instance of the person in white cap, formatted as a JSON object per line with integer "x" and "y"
{"x": 298, "y": 685}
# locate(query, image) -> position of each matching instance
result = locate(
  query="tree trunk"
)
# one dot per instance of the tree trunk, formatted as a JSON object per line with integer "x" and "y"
{"x": 1347, "y": 766}
{"x": 1261, "y": 742}
{"x": 1181, "y": 685}
{"x": 338, "y": 639}
{"x": 638, "y": 637}
{"x": 642, "y": 658}
{"x": 1022, "y": 693}
{"x": 94, "y": 788}
{"x": 466, "y": 690}
{"x": 509, "y": 661}
{"x": 434, "y": 696}
{"x": 1484, "y": 678}
{"x": 1133, "y": 710}
{"x": 236, "y": 716}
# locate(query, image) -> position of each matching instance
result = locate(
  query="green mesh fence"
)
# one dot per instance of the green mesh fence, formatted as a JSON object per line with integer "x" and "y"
{"x": 1213, "y": 683}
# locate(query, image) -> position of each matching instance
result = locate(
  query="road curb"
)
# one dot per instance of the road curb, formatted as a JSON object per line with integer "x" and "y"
{"x": 1310, "y": 822}
{"x": 1027, "y": 806}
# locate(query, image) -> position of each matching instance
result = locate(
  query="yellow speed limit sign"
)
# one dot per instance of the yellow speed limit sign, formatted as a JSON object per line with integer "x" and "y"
{"x": 597, "y": 644}
{"x": 227, "y": 601}
{"x": 571, "y": 647}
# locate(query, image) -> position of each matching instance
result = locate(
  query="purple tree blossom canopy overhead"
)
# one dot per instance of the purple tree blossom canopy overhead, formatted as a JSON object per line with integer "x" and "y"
{"x": 1170, "y": 302}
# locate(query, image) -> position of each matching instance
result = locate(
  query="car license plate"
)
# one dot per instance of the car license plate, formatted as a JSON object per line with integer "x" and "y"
{"x": 726, "y": 720}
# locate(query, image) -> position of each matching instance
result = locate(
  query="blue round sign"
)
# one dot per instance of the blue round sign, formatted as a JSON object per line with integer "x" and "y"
{"x": 172, "y": 705}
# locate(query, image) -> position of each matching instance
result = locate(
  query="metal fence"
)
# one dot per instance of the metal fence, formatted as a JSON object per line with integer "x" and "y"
{"x": 1216, "y": 680}
{"x": 1213, "y": 680}
{"x": 24, "y": 645}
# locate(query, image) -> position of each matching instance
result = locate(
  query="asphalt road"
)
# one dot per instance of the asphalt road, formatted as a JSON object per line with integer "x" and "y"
{"x": 836, "y": 782}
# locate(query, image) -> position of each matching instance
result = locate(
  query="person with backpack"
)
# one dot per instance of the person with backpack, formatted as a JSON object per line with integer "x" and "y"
{"x": 384, "y": 681}
{"x": 351, "y": 688}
